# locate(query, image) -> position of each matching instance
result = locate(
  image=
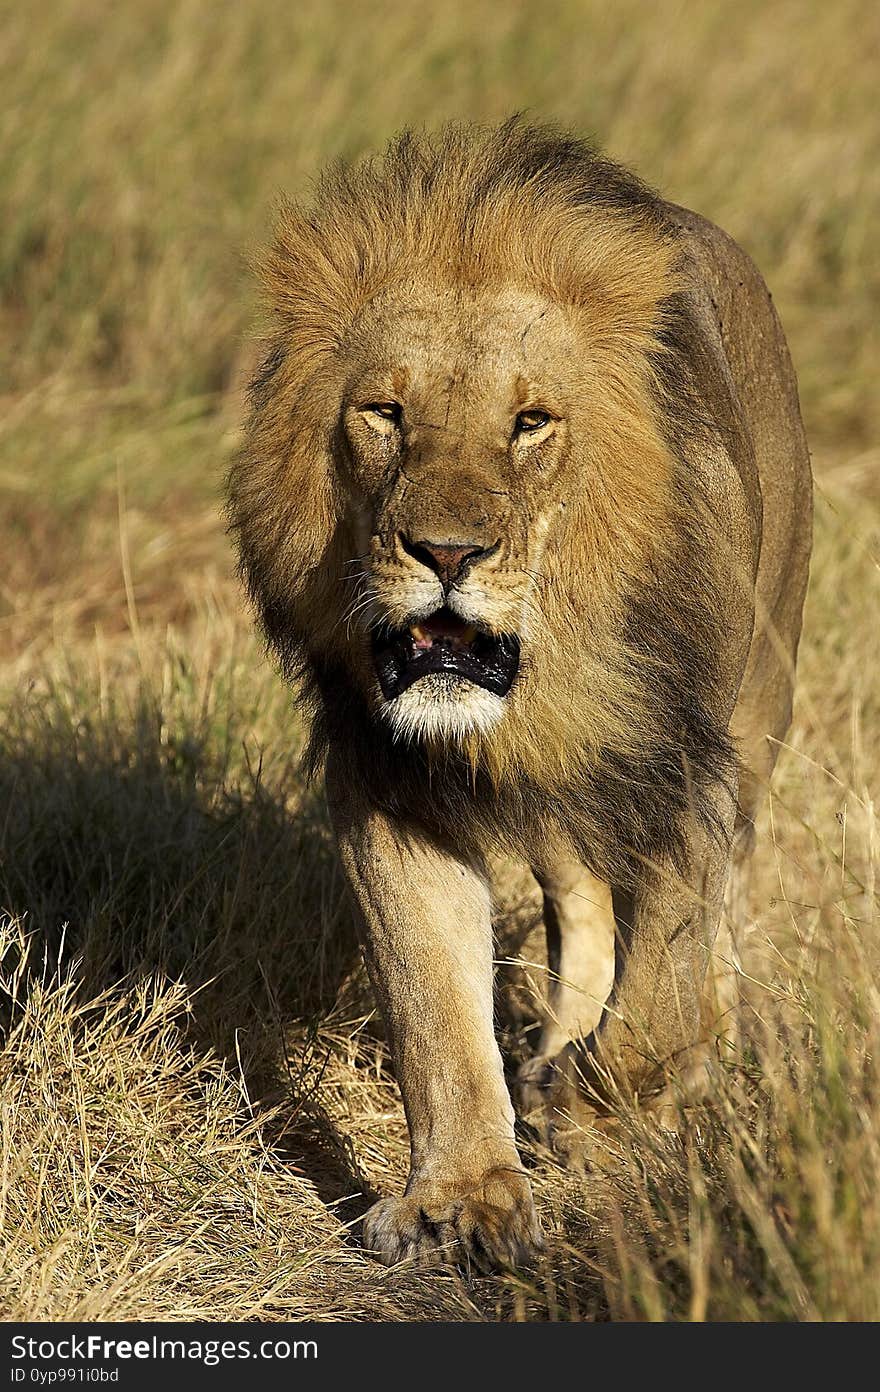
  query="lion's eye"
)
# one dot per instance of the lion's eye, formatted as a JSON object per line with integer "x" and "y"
{"x": 529, "y": 422}
{"x": 390, "y": 411}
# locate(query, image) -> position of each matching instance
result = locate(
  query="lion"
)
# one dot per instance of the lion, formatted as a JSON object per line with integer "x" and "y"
{"x": 524, "y": 506}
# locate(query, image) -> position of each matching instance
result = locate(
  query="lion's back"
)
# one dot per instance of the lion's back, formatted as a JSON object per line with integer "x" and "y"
{"x": 738, "y": 312}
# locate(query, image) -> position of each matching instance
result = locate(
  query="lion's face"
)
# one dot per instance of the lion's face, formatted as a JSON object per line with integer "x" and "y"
{"x": 458, "y": 420}
{"x": 456, "y": 475}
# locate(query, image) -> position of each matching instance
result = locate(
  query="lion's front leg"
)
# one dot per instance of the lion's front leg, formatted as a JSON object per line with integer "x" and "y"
{"x": 580, "y": 926}
{"x": 426, "y": 932}
{"x": 659, "y": 1034}
{"x": 655, "y": 1040}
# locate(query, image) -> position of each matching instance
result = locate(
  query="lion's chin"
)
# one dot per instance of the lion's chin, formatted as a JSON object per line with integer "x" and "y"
{"x": 442, "y": 709}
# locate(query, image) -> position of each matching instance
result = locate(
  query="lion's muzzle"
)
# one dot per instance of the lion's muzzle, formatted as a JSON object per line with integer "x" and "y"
{"x": 444, "y": 644}
{"x": 450, "y": 561}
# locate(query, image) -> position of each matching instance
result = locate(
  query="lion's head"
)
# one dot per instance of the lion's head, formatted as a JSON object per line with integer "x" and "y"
{"x": 458, "y": 479}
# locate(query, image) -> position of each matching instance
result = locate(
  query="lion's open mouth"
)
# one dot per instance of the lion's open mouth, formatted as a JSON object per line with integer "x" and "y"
{"x": 444, "y": 643}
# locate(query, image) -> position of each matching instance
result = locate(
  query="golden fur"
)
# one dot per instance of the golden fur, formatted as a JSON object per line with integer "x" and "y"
{"x": 479, "y": 211}
{"x": 466, "y": 278}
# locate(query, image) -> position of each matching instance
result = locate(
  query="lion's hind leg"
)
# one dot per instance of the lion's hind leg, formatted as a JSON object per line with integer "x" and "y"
{"x": 722, "y": 996}
{"x": 694, "y": 1072}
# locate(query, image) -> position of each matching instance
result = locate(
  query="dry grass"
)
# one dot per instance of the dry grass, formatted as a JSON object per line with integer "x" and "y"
{"x": 196, "y": 1100}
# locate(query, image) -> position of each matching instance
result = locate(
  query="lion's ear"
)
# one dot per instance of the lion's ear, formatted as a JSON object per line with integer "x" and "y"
{"x": 620, "y": 270}
{"x": 319, "y": 267}
{"x": 270, "y": 363}
{"x": 284, "y": 510}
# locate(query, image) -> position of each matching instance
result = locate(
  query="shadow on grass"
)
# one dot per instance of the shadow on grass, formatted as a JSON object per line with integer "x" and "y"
{"x": 139, "y": 857}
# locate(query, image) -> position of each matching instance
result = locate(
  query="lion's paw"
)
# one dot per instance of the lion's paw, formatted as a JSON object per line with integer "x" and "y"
{"x": 536, "y": 1082}
{"x": 565, "y": 1122}
{"x": 491, "y": 1225}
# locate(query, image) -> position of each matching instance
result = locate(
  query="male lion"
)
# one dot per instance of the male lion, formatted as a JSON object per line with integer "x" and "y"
{"x": 524, "y": 503}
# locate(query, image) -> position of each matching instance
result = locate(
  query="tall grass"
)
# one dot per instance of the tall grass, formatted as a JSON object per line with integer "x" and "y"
{"x": 197, "y": 1104}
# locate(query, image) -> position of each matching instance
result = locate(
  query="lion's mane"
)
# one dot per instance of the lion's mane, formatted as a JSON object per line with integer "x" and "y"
{"x": 622, "y": 733}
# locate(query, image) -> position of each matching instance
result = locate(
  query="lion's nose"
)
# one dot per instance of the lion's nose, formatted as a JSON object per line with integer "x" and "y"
{"x": 449, "y": 560}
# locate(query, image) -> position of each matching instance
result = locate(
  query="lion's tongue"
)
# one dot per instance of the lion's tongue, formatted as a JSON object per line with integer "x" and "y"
{"x": 442, "y": 628}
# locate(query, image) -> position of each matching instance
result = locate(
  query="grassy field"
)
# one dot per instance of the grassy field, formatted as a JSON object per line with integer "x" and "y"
{"x": 196, "y": 1102}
